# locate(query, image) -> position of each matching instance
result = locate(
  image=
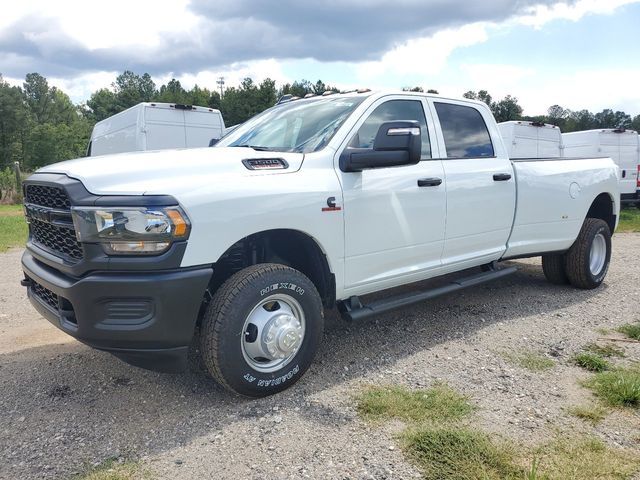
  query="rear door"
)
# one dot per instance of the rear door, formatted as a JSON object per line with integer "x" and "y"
{"x": 480, "y": 184}
{"x": 164, "y": 128}
{"x": 628, "y": 144}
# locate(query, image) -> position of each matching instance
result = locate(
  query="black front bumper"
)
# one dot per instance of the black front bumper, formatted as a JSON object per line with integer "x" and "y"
{"x": 145, "y": 318}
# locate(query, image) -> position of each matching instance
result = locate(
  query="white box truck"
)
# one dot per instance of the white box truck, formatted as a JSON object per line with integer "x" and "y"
{"x": 156, "y": 126}
{"x": 621, "y": 145}
{"x": 531, "y": 139}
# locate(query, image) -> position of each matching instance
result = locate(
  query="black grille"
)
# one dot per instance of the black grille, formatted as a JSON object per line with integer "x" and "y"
{"x": 45, "y": 295}
{"x": 49, "y": 214}
{"x": 47, "y": 196}
{"x": 57, "y": 238}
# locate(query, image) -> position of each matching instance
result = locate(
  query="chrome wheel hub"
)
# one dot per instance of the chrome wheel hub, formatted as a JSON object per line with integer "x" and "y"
{"x": 282, "y": 336}
{"x": 597, "y": 254}
{"x": 273, "y": 333}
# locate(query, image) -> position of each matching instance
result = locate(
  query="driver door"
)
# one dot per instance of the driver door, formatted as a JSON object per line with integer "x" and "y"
{"x": 394, "y": 228}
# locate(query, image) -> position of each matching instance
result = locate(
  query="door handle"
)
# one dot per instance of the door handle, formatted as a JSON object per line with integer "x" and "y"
{"x": 429, "y": 182}
{"x": 501, "y": 177}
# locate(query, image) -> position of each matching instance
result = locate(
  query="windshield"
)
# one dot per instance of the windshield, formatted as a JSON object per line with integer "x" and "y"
{"x": 297, "y": 126}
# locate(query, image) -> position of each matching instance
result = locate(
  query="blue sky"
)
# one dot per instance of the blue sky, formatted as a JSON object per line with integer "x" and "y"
{"x": 579, "y": 54}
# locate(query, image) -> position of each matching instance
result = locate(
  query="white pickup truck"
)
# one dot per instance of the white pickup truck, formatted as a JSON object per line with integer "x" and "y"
{"x": 312, "y": 203}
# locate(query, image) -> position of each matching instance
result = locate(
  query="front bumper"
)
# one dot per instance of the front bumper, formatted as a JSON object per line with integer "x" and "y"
{"x": 145, "y": 318}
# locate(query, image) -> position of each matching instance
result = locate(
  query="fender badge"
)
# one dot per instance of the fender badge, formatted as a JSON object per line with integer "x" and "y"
{"x": 331, "y": 205}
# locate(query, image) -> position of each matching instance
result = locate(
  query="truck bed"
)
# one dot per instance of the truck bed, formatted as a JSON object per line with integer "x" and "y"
{"x": 549, "y": 212}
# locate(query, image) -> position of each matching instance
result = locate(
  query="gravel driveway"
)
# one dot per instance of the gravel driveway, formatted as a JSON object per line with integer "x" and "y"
{"x": 64, "y": 405}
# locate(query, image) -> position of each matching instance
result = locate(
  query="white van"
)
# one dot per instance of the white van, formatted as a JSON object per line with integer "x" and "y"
{"x": 623, "y": 146}
{"x": 156, "y": 126}
{"x": 531, "y": 139}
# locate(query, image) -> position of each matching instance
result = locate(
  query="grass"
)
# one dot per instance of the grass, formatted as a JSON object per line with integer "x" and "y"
{"x": 530, "y": 360}
{"x": 629, "y": 220}
{"x": 584, "y": 457}
{"x": 591, "y": 361}
{"x": 443, "y": 448}
{"x": 435, "y": 404}
{"x": 631, "y": 330}
{"x": 13, "y": 228}
{"x": 460, "y": 453}
{"x": 607, "y": 350}
{"x": 113, "y": 470}
{"x": 593, "y": 414}
{"x": 620, "y": 387}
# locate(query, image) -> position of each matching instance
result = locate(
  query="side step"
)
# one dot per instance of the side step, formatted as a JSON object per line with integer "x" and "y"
{"x": 353, "y": 309}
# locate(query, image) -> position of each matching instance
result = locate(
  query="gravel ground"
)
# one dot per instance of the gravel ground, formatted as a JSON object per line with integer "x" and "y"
{"x": 65, "y": 405}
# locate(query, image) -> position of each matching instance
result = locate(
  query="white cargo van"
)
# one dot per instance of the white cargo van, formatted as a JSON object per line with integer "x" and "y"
{"x": 621, "y": 145}
{"x": 531, "y": 139}
{"x": 156, "y": 126}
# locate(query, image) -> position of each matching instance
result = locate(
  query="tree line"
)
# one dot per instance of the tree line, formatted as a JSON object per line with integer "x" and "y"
{"x": 39, "y": 124}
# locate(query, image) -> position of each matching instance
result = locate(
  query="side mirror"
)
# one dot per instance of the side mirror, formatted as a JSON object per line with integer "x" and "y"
{"x": 213, "y": 141}
{"x": 397, "y": 143}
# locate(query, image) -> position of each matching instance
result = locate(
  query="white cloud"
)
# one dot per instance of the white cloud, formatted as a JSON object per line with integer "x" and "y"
{"x": 119, "y": 23}
{"x": 424, "y": 56}
{"x": 542, "y": 14}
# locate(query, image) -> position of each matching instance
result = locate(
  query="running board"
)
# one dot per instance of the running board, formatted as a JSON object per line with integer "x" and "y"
{"x": 353, "y": 309}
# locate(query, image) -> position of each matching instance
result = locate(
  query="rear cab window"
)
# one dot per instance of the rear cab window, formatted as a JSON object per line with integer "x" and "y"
{"x": 464, "y": 130}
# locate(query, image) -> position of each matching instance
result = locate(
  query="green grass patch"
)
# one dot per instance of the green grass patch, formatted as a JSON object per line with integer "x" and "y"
{"x": 435, "y": 404}
{"x": 629, "y": 220}
{"x": 631, "y": 330}
{"x": 607, "y": 350}
{"x": 13, "y": 228}
{"x": 591, "y": 361}
{"x": 460, "y": 453}
{"x": 619, "y": 387}
{"x": 114, "y": 470}
{"x": 530, "y": 360}
{"x": 584, "y": 457}
{"x": 593, "y": 414}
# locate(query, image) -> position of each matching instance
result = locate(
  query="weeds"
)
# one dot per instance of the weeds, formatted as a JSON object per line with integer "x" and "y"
{"x": 533, "y": 361}
{"x": 460, "y": 453}
{"x": 593, "y": 414}
{"x": 607, "y": 350}
{"x": 438, "y": 403}
{"x": 620, "y": 387}
{"x": 632, "y": 330}
{"x": 591, "y": 361}
{"x": 113, "y": 470}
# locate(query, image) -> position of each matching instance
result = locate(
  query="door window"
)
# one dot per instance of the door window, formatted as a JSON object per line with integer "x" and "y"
{"x": 465, "y": 133}
{"x": 390, "y": 111}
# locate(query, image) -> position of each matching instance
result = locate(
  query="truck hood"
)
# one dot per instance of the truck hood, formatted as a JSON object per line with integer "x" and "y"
{"x": 169, "y": 172}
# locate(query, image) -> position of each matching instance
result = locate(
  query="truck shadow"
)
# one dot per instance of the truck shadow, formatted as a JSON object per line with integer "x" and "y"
{"x": 63, "y": 398}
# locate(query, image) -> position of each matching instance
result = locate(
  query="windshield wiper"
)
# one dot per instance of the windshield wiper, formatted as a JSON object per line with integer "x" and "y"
{"x": 255, "y": 147}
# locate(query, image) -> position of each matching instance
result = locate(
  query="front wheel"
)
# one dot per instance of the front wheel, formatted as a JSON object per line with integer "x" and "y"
{"x": 587, "y": 261}
{"x": 262, "y": 329}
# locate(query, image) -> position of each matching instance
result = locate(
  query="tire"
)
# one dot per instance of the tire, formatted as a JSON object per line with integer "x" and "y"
{"x": 242, "y": 320}
{"x": 553, "y": 267}
{"x": 594, "y": 241}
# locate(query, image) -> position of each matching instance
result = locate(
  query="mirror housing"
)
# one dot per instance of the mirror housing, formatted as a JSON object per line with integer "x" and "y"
{"x": 397, "y": 143}
{"x": 213, "y": 141}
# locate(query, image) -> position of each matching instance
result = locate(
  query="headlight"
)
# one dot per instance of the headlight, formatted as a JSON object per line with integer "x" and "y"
{"x": 130, "y": 230}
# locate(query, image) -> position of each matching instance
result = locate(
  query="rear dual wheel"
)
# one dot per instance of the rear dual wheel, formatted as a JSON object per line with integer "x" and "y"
{"x": 586, "y": 263}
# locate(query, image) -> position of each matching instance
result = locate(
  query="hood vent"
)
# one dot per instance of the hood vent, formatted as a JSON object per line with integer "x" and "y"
{"x": 265, "y": 163}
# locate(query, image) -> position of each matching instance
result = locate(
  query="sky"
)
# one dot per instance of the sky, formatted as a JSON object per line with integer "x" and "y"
{"x": 575, "y": 53}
